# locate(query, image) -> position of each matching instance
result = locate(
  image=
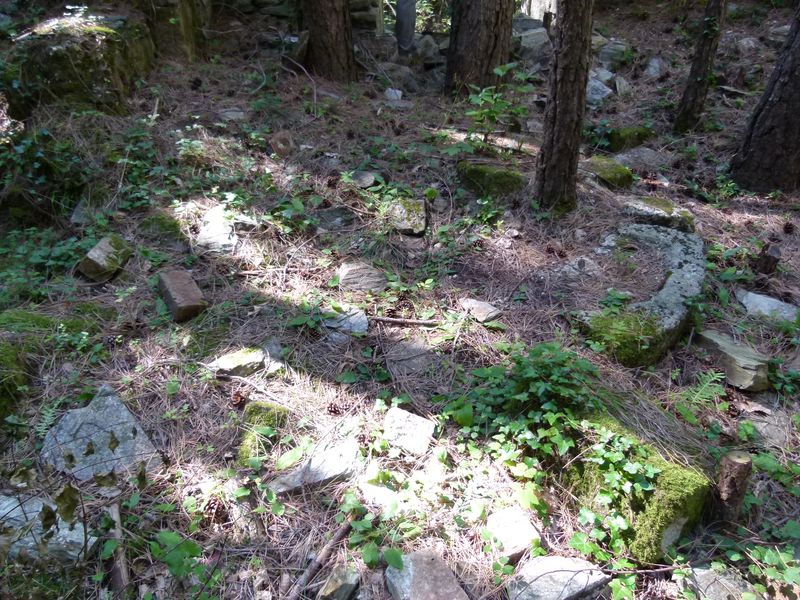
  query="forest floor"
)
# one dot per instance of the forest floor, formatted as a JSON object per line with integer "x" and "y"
{"x": 285, "y": 150}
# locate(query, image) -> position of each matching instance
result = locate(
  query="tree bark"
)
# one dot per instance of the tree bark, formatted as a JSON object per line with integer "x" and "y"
{"x": 557, "y": 164}
{"x": 480, "y": 41}
{"x": 694, "y": 96}
{"x": 734, "y": 477}
{"x": 330, "y": 39}
{"x": 769, "y": 157}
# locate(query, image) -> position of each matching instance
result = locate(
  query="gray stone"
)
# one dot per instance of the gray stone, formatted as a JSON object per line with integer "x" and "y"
{"x": 764, "y": 306}
{"x": 522, "y": 23}
{"x": 407, "y": 431}
{"x": 598, "y": 42}
{"x": 745, "y": 368}
{"x": 335, "y": 218}
{"x": 401, "y": 79}
{"x": 102, "y": 439}
{"x": 424, "y": 576}
{"x": 351, "y": 320}
{"x": 327, "y": 464}
{"x": 655, "y": 67}
{"x": 603, "y": 75}
{"x": 657, "y": 211}
{"x": 535, "y": 46}
{"x": 644, "y": 160}
{"x": 778, "y": 35}
{"x": 217, "y": 232}
{"x": 580, "y": 268}
{"x": 709, "y": 584}
{"x": 22, "y": 530}
{"x": 408, "y": 216}
{"x": 242, "y": 362}
{"x": 429, "y": 53}
{"x": 597, "y": 92}
{"x": 747, "y": 46}
{"x": 365, "y": 179}
{"x": 107, "y": 257}
{"x": 480, "y": 311}
{"x": 232, "y": 114}
{"x": 409, "y": 357}
{"x": 341, "y": 585}
{"x": 181, "y": 294}
{"x": 557, "y": 578}
{"x": 539, "y": 8}
{"x": 614, "y": 54}
{"x": 512, "y": 529}
{"x": 361, "y": 277}
{"x": 623, "y": 87}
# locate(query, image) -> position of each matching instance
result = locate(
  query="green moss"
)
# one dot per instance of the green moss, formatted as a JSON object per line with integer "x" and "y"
{"x": 256, "y": 415}
{"x": 25, "y": 321}
{"x": 610, "y": 172}
{"x": 205, "y": 338}
{"x": 661, "y": 204}
{"x": 95, "y": 311}
{"x": 628, "y": 137}
{"x": 13, "y": 375}
{"x": 163, "y": 225}
{"x": 487, "y": 180}
{"x": 632, "y": 338}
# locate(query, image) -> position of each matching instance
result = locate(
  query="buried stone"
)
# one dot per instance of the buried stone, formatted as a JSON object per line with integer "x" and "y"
{"x": 107, "y": 257}
{"x": 557, "y": 578}
{"x": 745, "y": 368}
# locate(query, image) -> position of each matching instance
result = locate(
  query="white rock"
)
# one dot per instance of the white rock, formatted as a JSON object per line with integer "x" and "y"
{"x": 557, "y": 578}
{"x": 764, "y": 306}
{"x": 327, "y": 464}
{"x": 217, "y": 232}
{"x": 481, "y": 311}
{"x": 512, "y": 528}
{"x": 407, "y": 431}
{"x": 393, "y": 94}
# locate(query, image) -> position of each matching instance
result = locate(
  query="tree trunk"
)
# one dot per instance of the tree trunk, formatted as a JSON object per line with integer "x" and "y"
{"x": 480, "y": 41}
{"x": 330, "y": 39}
{"x": 734, "y": 476}
{"x": 694, "y": 96}
{"x": 557, "y": 165}
{"x": 769, "y": 157}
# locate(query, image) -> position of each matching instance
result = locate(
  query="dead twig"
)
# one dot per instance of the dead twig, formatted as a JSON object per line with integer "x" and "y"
{"x": 120, "y": 575}
{"x": 409, "y": 322}
{"x": 320, "y": 560}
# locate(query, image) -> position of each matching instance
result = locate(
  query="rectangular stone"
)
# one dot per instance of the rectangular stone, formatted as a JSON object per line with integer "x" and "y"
{"x": 184, "y": 299}
{"x": 107, "y": 257}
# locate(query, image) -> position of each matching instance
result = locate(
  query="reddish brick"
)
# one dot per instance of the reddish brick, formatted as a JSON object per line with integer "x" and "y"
{"x": 184, "y": 299}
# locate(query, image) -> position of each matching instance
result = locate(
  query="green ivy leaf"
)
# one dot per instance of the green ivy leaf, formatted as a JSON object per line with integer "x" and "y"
{"x": 290, "y": 458}
{"x": 371, "y": 555}
{"x": 393, "y": 558}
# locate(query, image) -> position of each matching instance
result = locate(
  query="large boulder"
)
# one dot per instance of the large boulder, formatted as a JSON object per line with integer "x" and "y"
{"x": 86, "y": 59}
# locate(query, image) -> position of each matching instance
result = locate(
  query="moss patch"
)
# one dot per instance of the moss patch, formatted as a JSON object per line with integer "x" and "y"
{"x": 163, "y": 225}
{"x": 26, "y": 321}
{"x": 487, "y": 180}
{"x": 661, "y": 204}
{"x": 13, "y": 375}
{"x": 629, "y": 137}
{"x": 257, "y": 415}
{"x": 633, "y": 338}
{"x": 610, "y": 171}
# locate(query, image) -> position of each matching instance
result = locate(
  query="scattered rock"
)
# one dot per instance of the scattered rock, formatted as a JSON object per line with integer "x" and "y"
{"x": 242, "y": 362}
{"x": 481, "y": 311}
{"x": 328, "y": 464}
{"x": 747, "y": 46}
{"x": 103, "y": 439}
{"x": 745, "y": 368}
{"x": 424, "y": 576}
{"x": 232, "y": 114}
{"x": 361, "y": 277}
{"x": 429, "y": 53}
{"x": 767, "y": 260}
{"x": 602, "y": 74}
{"x": 364, "y": 179}
{"x": 408, "y": 216}
{"x": 512, "y": 528}
{"x": 351, "y": 320}
{"x": 409, "y": 357}
{"x": 580, "y": 268}
{"x": 659, "y": 211}
{"x": 609, "y": 171}
{"x": 181, "y": 294}
{"x": 623, "y": 87}
{"x": 334, "y": 218}
{"x": 486, "y": 180}
{"x": 535, "y": 46}
{"x": 32, "y": 526}
{"x": 644, "y": 160}
{"x": 258, "y": 415}
{"x": 773, "y": 422}
{"x": 106, "y": 258}
{"x": 393, "y": 94}
{"x": 13, "y": 374}
{"x": 764, "y": 306}
{"x": 597, "y": 92}
{"x": 710, "y": 584}
{"x": 778, "y": 35}
{"x": 614, "y": 54}
{"x": 598, "y": 42}
{"x": 407, "y": 431}
{"x": 217, "y": 232}
{"x": 625, "y": 138}
{"x": 557, "y": 578}
{"x": 655, "y": 67}
{"x": 341, "y": 585}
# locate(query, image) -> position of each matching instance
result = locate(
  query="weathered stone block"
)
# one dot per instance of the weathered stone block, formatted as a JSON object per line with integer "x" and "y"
{"x": 107, "y": 257}
{"x": 744, "y": 368}
{"x": 424, "y": 576}
{"x": 184, "y": 299}
{"x": 557, "y": 578}
{"x": 408, "y": 431}
{"x": 361, "y": 277}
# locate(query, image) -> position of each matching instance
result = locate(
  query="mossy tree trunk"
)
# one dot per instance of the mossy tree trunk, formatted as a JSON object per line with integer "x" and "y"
{"x": 480, "y": 41}
{"x": 557, "y": 165}
{"x": 694, "y": 96}
{"x": 769, "y": 157}
{"x": 330, "y": 39}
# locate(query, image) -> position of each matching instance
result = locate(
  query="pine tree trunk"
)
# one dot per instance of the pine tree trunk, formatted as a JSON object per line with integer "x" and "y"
{"x": 480, "y": 41}
{"x": 734, "y": 477}
{"x": 694, "y": 96}
{"x": 769, "y": 157}
{"x": 557, "y": 165}
{"x": 330, "y": 39}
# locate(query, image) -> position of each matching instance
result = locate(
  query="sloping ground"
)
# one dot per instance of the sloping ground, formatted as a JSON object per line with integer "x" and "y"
{"x": 281, "y": 196}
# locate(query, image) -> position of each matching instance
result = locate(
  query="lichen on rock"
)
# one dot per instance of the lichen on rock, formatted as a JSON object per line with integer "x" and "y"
{"x": 609, "y": 171}
{"x": 258, "y": 415}
{"x": 487, "y": 180}
{"x": 626, "y": 138}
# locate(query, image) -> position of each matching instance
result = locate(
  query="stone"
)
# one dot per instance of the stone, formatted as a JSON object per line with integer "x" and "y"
{"x": 655, "y": 67}
{"x": 778, "y": 35}
{"x": 178, "y": 26}
{"x": 772, "y": 421}
{"x": 401, "y": 79}
{"x": 429, "y": 53}
{"x": 535, "y": 46}
{"x": 341, "y": 585}
{"x": 409, "y": 357}
{"x": 522, "y": 23}
{"x": 609, "y": 171}
{"x": 100, "y": 440}
{"x": 659, "y": 211}
{"x": 408, "y": 216}
{"x": 345, "y": 323}
{"x": 424, "y": 576}
{"x": 767, "y": 260}
{"x": 217, "y": 232}
{"x": 232, "y": 115}
{"x": 747, "y": 46}
{"x": 623, "y": 87}
{"x": 257, "y": 416}
{"x": 360, "y": 277}
{"x": 537, "y": 9}
{"x": 334, "y": 218}
{"x": 336, "y": 462}
{"x": 181, "y": 294}
{"x": 764, "y": 306}
{"x": 614, "y": 54}
{"x": 364, "y": 179}
{"x": 107, "y": 257}
{"x": 598, "y": 42}
{"x": 580, "y": 268}
{"x": 625, "y": 138}
{"x": 644, "y": 160}
{"x": 597, "y": 92}
{"x": 32, "y": 526}
{"x": 486, "y": 180}
{"x": 408, "y": 431}
{"x": 479, "y": 310}
{"x": 241, "y": 363}
{"x": 711, "y": 584}
{"x": 512, "y": 529}
{"x": 393, "y": 94}
{"x": 557, "y": 578}
{"x": 745, "y": 368}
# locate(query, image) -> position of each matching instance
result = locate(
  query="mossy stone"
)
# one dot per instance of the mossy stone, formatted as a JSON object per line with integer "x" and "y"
{"x": 13, "y": 375}
{"x": 161, "y": 224}
{"x": 610, "y": 171}
{"x": 629, "y": 137}
{"x": 487, "y": 180}
{"x": 635, "y": 339}
{"x": 257, "y": 415}
{"x": 16, "y": 320}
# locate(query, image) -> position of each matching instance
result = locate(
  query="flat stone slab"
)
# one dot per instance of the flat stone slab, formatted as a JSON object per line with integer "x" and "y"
{"x": 409, "y": 357}
{"x": 101, "y": 439}
{"x": 764, "y": 306}
{"x": 424, "y": 576}
{"x": 181, "y": 294}
{"x": 360, "y": 277}
{"x": 408, "y": 216}
{"x": 350, "y": 321}
{"x": 23, "y": 530}
{"x": 745, "y": 368}
{"x": 556, "y": 578}
{"x": 242, "y": 362}
{"x": 482, "y": 312}
{"x": 512, "y": 529}
{"x": 407, "y": 431}
{"x": 332, "y": 463}
{"x": 105, "y": 260}
{"x": 659, "y": 211}
{"x": 718, "y": 585}
{"x": 217, "y": 232}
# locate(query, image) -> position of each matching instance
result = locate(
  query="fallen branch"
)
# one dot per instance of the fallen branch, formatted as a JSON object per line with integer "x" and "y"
{"x": 120, "y": 575}
{"x": 320, "y": 560}
{"x": 418, "y": 322}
